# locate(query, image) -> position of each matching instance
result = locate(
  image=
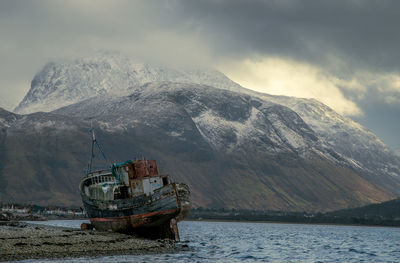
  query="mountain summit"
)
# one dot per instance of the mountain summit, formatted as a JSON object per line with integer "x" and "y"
{"x": 67, "y": 82}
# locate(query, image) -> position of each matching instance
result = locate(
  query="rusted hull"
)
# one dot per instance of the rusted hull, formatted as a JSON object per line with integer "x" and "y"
{"x": 144, "y": 215}
{"x": 152, "y": 225}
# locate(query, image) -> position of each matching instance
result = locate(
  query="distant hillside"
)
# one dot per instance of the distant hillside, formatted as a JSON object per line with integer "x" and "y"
{"x": 385, "y": 210}
{"x": 383, "y": 214}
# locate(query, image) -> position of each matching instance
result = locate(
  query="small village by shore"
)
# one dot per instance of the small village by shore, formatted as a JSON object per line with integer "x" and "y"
{"x": 23, "y": 212}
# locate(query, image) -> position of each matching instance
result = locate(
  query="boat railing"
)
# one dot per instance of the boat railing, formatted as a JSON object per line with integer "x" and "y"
{"x": 98, "y": 172}
{"x": 102, "y": 178}
{"x": 100, "y": 186}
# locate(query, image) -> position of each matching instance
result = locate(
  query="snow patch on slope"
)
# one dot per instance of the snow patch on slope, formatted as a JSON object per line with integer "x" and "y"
{"x": 287, "y": 135}
{"x": 218, "y": 131}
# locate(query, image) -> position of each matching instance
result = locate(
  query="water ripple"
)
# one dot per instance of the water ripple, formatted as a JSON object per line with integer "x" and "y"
{"x": 263, "y": 242}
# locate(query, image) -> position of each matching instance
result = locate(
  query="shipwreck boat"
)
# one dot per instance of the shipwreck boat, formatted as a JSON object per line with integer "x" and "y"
{"x": 132, "y": 197}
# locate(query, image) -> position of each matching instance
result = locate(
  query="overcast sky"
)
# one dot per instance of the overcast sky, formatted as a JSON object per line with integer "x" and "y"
{"x": 343, "y": 53}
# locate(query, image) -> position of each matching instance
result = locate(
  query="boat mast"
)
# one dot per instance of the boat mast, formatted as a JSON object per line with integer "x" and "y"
{"x": 94, "y": 141}
{"x": 92, "y": 155}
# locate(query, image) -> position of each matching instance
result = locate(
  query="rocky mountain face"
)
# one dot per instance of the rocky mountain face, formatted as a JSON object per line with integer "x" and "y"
{"x": 39, "y": 154}
{"x": 236, "y": 148}
{"x": 349, "y": 139}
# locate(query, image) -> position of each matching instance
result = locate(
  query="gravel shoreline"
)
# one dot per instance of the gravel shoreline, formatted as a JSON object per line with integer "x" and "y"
{"x": 25, "y": 241}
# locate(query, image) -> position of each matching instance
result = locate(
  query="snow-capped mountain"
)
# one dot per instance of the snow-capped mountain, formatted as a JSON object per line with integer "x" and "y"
{"x": 113, "y": 75}
{"x": 233, "y": 149}
{"x": 295, "y": 153}
{"x": 67, "y": 82}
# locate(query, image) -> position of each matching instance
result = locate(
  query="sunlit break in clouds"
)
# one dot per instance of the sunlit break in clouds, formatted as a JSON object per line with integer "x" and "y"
{"x": 283, "y": 77}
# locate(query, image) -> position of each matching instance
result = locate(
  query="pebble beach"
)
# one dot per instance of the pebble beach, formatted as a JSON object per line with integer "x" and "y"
{"x": 25, "y": 241}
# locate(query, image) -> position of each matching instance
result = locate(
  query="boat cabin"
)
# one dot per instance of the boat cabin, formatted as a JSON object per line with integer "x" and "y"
{"x": 124, "y": 180}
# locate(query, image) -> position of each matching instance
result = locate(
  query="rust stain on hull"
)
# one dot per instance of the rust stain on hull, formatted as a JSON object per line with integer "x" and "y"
{"x": 134, "y": 216}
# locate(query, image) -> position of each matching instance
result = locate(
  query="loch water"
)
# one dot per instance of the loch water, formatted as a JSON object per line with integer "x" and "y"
{"x": 267, "y": 242}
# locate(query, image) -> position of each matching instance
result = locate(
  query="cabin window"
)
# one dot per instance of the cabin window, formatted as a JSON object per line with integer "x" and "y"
{"x": 117, "y": 194}
{"x": 165, "y": 180}
{"x": 121, "y": 193}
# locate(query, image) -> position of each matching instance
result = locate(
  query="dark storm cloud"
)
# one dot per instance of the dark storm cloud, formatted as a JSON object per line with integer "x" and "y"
{"x": 337, "y": 35}
{"x": 342, "y": 39}
{"x": 362, "y": 33}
